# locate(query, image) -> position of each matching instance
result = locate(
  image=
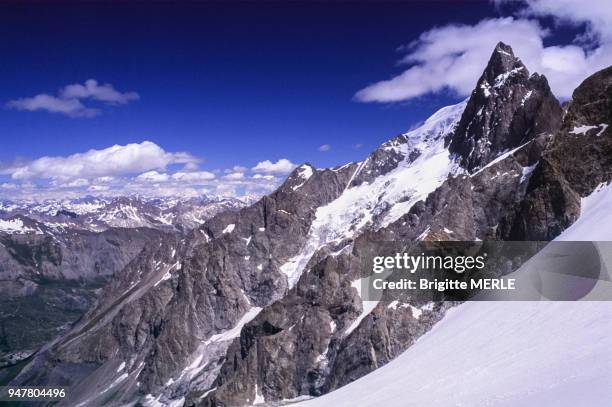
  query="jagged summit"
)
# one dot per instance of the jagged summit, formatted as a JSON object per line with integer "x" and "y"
{"x": 507, "y": 108}
{"x": 503, "y": 61}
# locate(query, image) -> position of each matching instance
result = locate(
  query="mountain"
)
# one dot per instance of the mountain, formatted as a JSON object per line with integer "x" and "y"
{"x": 100, "y": 213}
{"x": 262, "y": 305}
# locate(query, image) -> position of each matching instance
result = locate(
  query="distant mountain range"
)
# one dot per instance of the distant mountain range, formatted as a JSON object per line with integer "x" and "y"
{"x": 99, "y": 213}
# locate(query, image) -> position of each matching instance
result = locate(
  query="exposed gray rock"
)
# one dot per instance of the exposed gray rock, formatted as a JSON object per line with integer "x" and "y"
{"x": 576, "y": 161}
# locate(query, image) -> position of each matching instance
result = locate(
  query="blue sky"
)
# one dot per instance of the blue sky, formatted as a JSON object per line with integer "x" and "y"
{"x": 239, "y": 84}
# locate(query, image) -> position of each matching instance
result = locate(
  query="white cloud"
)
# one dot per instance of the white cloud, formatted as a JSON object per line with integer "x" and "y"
{"x": 282, "y": 166}
{"x": 452, "y": 57}
{"x": 116, "y": 160}
{"x": 103, "y": 93}
{"x": 261, "y": 176}
{"x": 226, "y": 190}
{"x": 142, "y": 168}
{"x": 191, "y": 166}
{"x": 197, "y": 176}
{"x": 68, "y": 99}
{"x": 104, "y": 180}
{"x": 193, "y": 177}
{"x": 79, "y": 182}
{"x": 324, "y": 147}
{"x": 357, "y": 146}
{"x": 597, "y": 14}
{"x": 234, "y": 176}
{"x": 69, "y": 107}
{"x": 152, "y": 176}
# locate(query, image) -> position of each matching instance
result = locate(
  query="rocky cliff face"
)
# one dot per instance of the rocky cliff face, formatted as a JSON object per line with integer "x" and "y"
{"x": 576, "y": 161}
{"x": 264, "y": 304}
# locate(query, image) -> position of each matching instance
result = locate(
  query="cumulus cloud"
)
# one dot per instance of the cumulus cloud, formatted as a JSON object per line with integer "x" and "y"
{"x": 191, "y": 166}
{"x": 79, "y": 182}
{"x": 104, "y": 180}
{"x": 193, "y": 177}
{"x": 234, "y": 175}
{"x": 143, "y": 168}
{"x": 152, "y": 176}
{"x": 324, "y": 147}
{"x": 116, "y": 160}
{"x": 282, "y": 166}
{"x": 98, "y": 188}
{"x": 68, "y": 100}
{"x": 452, "y": 57}
{"x": 196, "y": 176}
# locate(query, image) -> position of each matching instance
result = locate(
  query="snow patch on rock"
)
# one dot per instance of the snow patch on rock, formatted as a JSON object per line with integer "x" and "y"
{"x": 229, "y": 228}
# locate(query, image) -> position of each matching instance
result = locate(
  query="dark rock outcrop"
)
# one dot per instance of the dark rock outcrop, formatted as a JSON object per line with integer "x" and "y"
{"x": 575, "y": 162}
{"x": 507, "y": 108}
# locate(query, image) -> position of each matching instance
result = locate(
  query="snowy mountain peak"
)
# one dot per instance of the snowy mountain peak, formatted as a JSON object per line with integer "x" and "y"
{"x": 408, "y": 147}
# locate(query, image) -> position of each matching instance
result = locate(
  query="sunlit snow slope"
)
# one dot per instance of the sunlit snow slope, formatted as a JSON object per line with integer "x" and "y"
{"x": 595, "y": 221}
{"x": 396, "y": 191}
{"x": 504, "y": 353}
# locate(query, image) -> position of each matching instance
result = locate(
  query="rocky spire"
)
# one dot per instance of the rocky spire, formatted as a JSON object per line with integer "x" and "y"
{"x": 503, "y": 61}
{"x": 507, "y": 108}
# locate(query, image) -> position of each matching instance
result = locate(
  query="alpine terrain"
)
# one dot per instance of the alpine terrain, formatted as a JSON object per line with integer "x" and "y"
{"x": 261, "y": 305}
